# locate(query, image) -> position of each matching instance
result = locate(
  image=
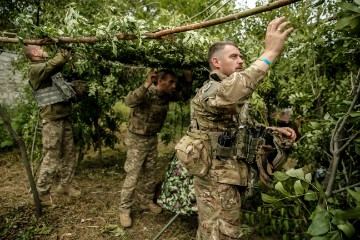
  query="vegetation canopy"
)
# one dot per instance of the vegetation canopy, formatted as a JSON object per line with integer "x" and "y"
{"x": 316, "y": 193}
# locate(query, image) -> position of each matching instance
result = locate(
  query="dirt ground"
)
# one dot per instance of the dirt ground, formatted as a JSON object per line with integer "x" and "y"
{"x": 94, "y": 215}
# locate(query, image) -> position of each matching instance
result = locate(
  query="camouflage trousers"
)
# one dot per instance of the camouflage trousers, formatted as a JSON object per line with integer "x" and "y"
{"x": 140, "y": 167}
{"x": 218, "y": 210}
{"x": 59, "y": 154}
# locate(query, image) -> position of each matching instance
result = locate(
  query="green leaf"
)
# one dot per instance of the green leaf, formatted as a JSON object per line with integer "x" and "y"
{"x": 334, "y": 235}
{"x": 6, "y": 143}
{"x": 297, "y": 173}
{"x": 353, "y": 213}
{"x": 298, "y": 188}
{"x": 355, "y": 195}
{"x": 357, "y": 2}
{"x": 319, "y": 188}
{"x": 310, "y": 196}
{"x": 348, "y": 229}
{"x": 338, "y": 217}
{"x": 321, "y": 224}
{"x": 281, "y": 189}
{"x": 349, "y": 7}
{"x": 308, "y": 178}
{"x": 354, "y": 114}
{"x": 350, "y": 21}
{"x": 269, "y": 199}
{"x": 280, "y": 176}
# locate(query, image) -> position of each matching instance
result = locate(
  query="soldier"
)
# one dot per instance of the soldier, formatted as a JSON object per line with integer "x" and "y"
{"x": 149, "y": 105}
{"x": 215, "y": 111}
{"x": 59, "y": 153}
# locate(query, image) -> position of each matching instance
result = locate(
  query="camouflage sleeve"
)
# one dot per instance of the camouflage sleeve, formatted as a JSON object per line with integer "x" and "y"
{"x": 43, "y": 71}
{"x": 182, "y": 93}
{"x": 237, "y": 88}
{"x": 136, "y": 97}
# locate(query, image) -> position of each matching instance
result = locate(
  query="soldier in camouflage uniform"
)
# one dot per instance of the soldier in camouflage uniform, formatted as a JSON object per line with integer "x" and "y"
{"x": 59, "y": 153}
{"x": 149, "y": 105}
{"x": 215, "y": 109}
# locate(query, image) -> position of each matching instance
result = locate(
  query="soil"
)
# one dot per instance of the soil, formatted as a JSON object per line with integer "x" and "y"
{"x": 94, "y": 215}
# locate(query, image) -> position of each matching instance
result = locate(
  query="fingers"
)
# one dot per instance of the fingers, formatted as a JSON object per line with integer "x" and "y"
{"x": 288, "y": 31}
{"x": 288, "y": 132}
{"x": 151, "y": 77}
{"x": 274, "y": 24}
{"x": 278, "y": 24}
{"x": 282, "y": 26}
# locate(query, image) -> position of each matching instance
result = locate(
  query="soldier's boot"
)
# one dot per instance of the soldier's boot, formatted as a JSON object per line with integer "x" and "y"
{"x": 45, "y": 198}
{"x": 152, "y": 207}
{"x": 125, "y": 219}
{"x": 72, "y": 192}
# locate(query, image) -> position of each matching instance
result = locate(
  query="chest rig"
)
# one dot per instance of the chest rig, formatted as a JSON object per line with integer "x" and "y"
{"x": 240, "y": 135}
{"x": 59, "y": 91}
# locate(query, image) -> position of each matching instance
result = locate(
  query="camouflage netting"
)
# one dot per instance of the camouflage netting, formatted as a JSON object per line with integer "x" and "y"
{"x": 177, "y": 191}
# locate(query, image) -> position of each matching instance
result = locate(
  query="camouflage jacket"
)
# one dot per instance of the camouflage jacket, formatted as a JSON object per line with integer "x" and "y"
{"x": 40, "y": 73}
{"x": 215, "y": 109}
{"x": 149, "y": 107}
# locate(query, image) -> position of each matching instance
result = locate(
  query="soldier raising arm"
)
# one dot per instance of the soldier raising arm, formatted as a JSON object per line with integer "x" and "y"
{"x": 215, "y": 111}
{"x": 149, "y": 105}
{"x": 58, "y": 144}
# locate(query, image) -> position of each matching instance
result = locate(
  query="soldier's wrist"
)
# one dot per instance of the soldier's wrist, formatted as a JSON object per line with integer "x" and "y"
{"x": 147, "y": 84}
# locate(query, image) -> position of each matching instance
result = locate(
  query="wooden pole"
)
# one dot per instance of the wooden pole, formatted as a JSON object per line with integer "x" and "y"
{"x": 155, "y": 35}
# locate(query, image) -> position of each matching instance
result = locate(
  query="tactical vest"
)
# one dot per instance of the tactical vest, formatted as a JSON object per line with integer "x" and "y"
{"x": 249, "y": 142}
{"x": 148, "y": 117}
{"x": 217, "y": 119}
{"x": 59, "y": 91}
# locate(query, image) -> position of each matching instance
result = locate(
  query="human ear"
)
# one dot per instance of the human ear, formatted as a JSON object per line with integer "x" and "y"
{"x": 34, "y": 53}
{"x": 215, "y": 61}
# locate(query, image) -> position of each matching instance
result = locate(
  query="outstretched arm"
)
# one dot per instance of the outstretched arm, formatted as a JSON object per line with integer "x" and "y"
{"x": 238, "y": 87}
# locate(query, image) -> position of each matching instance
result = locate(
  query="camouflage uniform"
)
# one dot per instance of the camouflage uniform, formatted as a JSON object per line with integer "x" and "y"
{"x": 215, "y": 109}
{"x": 58, "y": 145}
{"x": 148, "y": 112}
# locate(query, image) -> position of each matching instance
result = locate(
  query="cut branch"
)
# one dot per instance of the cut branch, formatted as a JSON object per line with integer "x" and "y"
{"x": 159, "y": 34}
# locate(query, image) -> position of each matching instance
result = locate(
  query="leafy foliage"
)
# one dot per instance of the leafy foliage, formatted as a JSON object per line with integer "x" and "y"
{"x": 315, "y": 77}
{"x": 296, "y": 187}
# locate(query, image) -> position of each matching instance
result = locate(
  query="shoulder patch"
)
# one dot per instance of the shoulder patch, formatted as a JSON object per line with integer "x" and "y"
{"x": 207, "y": 87}
{"x": 210, "y": 90}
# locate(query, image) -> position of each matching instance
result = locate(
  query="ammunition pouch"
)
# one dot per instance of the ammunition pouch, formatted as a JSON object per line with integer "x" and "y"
{"x": 60, "y": 91}
{"x": 261, "y": 149}
{"x": 248, "y": 139}
{"x": 225, "y": 147}
{"x": 194, "y": 151}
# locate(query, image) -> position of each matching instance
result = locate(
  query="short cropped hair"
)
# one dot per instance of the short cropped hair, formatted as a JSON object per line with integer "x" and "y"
{"x": 163, "y": 73}
{"x": 27, "y": 50}
{"x": 218, "y": 46}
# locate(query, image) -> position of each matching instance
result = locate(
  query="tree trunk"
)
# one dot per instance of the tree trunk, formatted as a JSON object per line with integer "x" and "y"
{"x": 25, "y": 158}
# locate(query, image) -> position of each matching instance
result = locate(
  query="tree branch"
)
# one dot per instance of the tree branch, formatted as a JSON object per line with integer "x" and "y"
{"x": 156, "y": 35}
{"x": 348, "y": 141}
{"x": 343, "y": 189}
{"x": 208, "y": 7}
{"x": 217, "y": 10}
{"x": 335, "y": 141}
